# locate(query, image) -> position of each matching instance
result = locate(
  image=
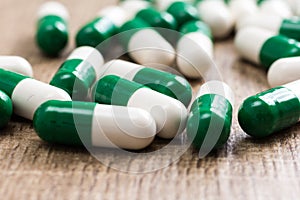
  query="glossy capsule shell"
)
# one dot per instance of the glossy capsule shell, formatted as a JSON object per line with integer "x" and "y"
{"x": 16, "y": 64}
{"x": 163, "y": 82}
{"x": 77, "y": 74}
{"x": 28, "y": 94}
{"x": 275, "y": 7}
{"x": 268, "y": 112}
{"x": 263, "y": 47}
{"x": 169, "y": 114}
{"x": 91, "y": 124}
{"x": 52, "y": 29}
{"x": 6, "y": 109}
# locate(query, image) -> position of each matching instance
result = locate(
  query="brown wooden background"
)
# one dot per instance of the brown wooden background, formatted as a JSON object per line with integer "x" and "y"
{"x": 243, "y": 169}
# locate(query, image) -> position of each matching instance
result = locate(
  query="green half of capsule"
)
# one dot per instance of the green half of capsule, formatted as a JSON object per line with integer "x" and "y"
{"x": 268, "y": 112}
{"x": 209, "y": 121}
{"x": 52, "y": 34}
{"x": 76, "y": 77}
{"x": 95, "y": 32}
{"x": 196, "y": 26}
{"x": 278, "y": 47}
{"x": 6, "y": 109}
{"x": 166, "y": 83}
{"x": 291, "y": 28}
{"x": 9, "y": 80}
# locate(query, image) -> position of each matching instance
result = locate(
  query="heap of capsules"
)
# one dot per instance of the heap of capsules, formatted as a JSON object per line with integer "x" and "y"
{"x": 117, "y": 103}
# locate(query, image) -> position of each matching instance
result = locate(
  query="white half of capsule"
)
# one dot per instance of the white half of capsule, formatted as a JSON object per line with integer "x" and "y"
{"x": 249, "y": 41}
{"x": 284, "y": 71}
{"x": 132, "y": 7}
{"x": 123, "y": 127}
{"x": 147, "y": 47}
{"x": 29, "y": 94}
{"x": 116, "y": 14}
{"x": 294, "y": 87}
{"x": 276, "y": 7}
{"x": 242, "y": 8}
{"x": 16, "y": 64}
{"x": 219, "y": 88}
{"x": 164, "y": 4}
{"x": 295, "y": 6}
{"x": 53, "y": 8}
{"x": 169, "y": 114}
{"x": 194, "y": 54}
{"x": 216, "y": 14}
{"x": 90, "y": 55}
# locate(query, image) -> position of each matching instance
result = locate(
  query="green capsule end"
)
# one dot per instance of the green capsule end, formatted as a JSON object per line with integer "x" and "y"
{"x": 52, "y": 35}
{"x": 114, "y": 90}
{"x": 9, "y": 80}
{"x": 268, "y": 112}
{"x": 291, "y": 28}
{"x": 196, "y": 26}
{"x": 209, "y": 121}
{"x": 95, "y": 32}
{"x": 6, "y": 109}
{"x": 166, "y": 83}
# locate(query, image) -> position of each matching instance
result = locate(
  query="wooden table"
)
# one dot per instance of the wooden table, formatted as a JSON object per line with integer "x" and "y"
{"x": 244, "y": 169}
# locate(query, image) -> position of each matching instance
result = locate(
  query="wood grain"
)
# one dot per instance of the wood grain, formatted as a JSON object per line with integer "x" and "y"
{"x": 244, "y": 169}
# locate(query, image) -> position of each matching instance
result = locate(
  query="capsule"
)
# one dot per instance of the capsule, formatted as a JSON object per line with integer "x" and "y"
{"x": 268, "y": 112}
{"x": 132, "y": 7}
{"x": 145, "y": 45}
{"x": 263, "y": 47}
{"x": 91, "y": 124}
{"x": 242, "y": 8}
{"x": 16, "y": 64}
{"x": 194, "y": 49}
{"x": 6, "y": 109}
{"x": 217, "y": 16}
{"x": 77, "y": 74}
{"x": 28, "y": 94}
{"x": 295, "y": 6}
{"x": 163, "y": 82}
{"x": 210, "y": 118}
{"x": 275, "y": 7}
{"x": 52, "y": 29}
{"x": 169, "y": 114}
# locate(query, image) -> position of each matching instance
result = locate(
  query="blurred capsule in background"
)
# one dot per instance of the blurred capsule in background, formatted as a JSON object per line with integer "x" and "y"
{"x": 275, "y": 7}
{"x": 6, "y": 109}
{"x": 16, "y": 64}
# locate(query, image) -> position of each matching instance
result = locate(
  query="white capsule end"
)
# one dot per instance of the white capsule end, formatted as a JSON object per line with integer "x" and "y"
{"x": 276, "y": 7}
{"x": 132, "y": 7}
{"x": 242, "y": 8}
{"x": 163, "y": 5}
{"x": 116, "y": 14}
{"x": 16, "y": 64}
{"x": 53, "y": 8}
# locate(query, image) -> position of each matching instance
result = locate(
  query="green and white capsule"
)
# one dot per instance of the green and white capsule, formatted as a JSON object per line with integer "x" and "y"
{"x": 263, "y": 47}
{"x": 28, "y": 94}
{"x": 52, "y": 29}
{"x": 163, "y": 82}
{"x": 210, "y": 118}
{"x": 169, "y": 114}
{"x": 91, "y": 124}
{"x": 194, "y": 49}
{"x": 145, "y": 45}
{"x": 268, "y": 112}
{"x": 6, "y": 109}
{"x": 16, "y": 64}
{"x": 77, "y": 74}
{"x": 275, "y": 7}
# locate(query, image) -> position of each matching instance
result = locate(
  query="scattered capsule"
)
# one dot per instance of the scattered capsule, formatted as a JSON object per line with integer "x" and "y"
{"x": 16, "y": 64}
{"x": 263, "y": 47}
{"x": 6, "y": 109}
{"x": 77, "y": 74}
{"x": 52, "y": 32}
{"x": 210, "y": 118}
{"x": 132, "y": 7}
{"x": 194, "y": 49}
{"x": 217, "y": 16}
{"x": 145, "y": 45}
{"x": 28, "y": 94}
{"x": 169, "y": 114}
{"x": 284, "y": 71}
{"x": 242, "y": 8}
{"x": 295, "y": 6}
{"x": 91, "y": 124}
{"x": 273, "y": 110}
{"x": 163, "y": 82}
{"x": 275, "y": 7}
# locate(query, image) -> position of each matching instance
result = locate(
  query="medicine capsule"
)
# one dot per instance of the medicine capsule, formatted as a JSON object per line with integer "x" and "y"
{"x": 169, "y": 114}
{"x": 194, "y": 49}
{"x": 77, "y": 74}
{"x": 210, "y": 118}
{"x": 6, "y": 109}
{"x": 16, "y": 64}
{"x": 284, "y": 71}
{"x": 132, "y": 7}
{"x": 271, "y": 111}
{"x": 163, "y": 82}
{"x": 145, "y": 45}
{"x": 295, "y": 6}
{"x": 217, "y": 16}
{"x": 263, "y": 47}
{"x": 275, "y": 7}
{"x": 91, "y": 124}
{"x": 105, "y": 25}
{"x": 28, "y": 94}
{"x": 52, "y": 29}
{"x": 242, "y": 8}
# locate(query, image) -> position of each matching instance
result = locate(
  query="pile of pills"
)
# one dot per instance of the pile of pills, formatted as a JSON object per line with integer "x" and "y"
{"x": 96, "y": 102}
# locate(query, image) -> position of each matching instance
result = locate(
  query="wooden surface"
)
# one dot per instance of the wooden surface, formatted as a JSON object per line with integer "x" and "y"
{"x": 244, "y": 169}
